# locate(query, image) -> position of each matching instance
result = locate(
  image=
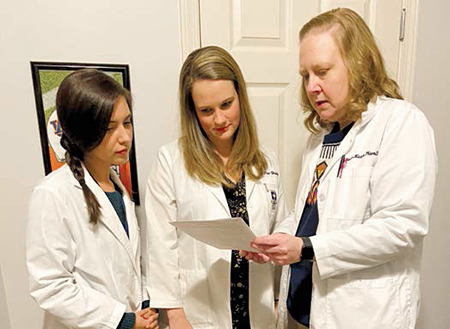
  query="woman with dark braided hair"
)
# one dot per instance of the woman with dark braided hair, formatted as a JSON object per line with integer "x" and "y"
{"x": 83, "y": 246}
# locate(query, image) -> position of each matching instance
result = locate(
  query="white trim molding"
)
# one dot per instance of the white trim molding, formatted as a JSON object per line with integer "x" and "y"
{"x": 190, "y": 28}
{"x": 407, "y": 54}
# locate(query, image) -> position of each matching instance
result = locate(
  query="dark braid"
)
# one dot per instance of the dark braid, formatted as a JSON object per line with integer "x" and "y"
{"x": 73, "y": 160}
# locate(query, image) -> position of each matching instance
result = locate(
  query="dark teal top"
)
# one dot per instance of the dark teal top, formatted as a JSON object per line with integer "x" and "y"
{"x": 116, "y": 199}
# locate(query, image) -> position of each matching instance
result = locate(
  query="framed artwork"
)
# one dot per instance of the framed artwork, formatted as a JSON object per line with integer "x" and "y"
{"x": 47, "y": 77}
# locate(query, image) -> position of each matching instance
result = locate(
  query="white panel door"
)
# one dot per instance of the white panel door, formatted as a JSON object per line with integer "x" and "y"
{"x": 262, "y": 35}
{"x": 383, "y": 18}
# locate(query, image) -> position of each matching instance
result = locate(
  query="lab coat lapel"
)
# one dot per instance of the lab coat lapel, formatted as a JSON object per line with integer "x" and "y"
{"x": 219, "y": 194}
{"x": 311, "y": 164}
{"x": 133, "y": 229}
{"x": 306, "y": 177}
{"x": 249, "y": 188}
{"x": 111, "y": 220}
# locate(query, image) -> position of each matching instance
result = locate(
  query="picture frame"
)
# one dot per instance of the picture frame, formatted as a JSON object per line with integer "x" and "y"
{"x": 47, "y": 77}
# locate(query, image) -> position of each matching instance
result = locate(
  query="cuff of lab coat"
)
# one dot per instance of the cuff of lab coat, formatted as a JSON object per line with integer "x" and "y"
{"x": 322, "y": 256}
{"x": 116, "y": 316}
{"x": 158, "y": 303}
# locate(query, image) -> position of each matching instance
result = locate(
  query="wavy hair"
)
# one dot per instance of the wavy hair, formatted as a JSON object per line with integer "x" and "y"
{"x": 366, "y": 69}
{"x": 84, "y": 104}
{"x": 201, "y": 160}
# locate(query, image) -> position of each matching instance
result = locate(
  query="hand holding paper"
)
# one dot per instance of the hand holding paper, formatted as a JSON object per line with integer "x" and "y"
{"x": 259, "y": 258}
{"x": 281, "y": 248}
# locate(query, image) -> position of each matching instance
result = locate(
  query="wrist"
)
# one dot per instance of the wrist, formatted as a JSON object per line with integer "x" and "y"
{"x": 300, "y": 248}
{"x": 307, "y": 252}
{"x": 174, "y": 313}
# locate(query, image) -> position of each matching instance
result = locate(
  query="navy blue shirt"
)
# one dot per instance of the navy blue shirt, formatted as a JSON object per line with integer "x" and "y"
{"x": 300, "y": 285}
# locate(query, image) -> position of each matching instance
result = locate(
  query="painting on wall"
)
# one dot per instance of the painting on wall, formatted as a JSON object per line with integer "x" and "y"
{"x": 47, "y": 77}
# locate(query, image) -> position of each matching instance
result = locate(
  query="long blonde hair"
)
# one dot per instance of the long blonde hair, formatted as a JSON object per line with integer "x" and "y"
{"x": 366, "y": 70}
{"x": 200, "y": 158}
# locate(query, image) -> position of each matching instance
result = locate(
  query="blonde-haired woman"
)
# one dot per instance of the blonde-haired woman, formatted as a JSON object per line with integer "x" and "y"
{"x": 365, "y": 192}
{"x": 215, "y": 170}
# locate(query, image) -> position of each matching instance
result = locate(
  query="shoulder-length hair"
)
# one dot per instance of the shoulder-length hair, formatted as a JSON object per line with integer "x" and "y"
{"x": 201, "y": 160}
{"x": 84, "y": 104}
{"x": 366, "y": 70}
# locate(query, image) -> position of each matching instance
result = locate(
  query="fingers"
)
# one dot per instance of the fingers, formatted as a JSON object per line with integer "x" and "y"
{"x": 152, "y": 311}
{"x": 145, "y": 313}
{"x": 270, "y": 243}
{"x": 267, "y": 249}
{"x": 261, "y": 258}
{"x": 152, "y": 322}
{"x": 243, "y": 253}
{"x": 266, "y": 240}
{"x": 253, "y": 256}
{"x": 280, "y": 248}
{"x": 250, "y": 255}
{"x": 146, "y": 318}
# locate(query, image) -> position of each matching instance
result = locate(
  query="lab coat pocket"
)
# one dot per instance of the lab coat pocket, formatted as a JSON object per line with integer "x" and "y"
{"x": 353, "y": 302}
{"x": 195, "y": 294}
{"x": 350, "y": 194}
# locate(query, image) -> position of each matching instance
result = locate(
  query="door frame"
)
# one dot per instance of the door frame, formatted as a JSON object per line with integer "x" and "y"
{"x": 407, "y": 56}
{"x": 190, "y": 28}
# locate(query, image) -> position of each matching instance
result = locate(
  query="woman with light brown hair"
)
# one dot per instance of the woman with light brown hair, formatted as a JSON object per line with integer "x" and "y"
{"x": 215, "y": 170}
{"x": 365, "y": 191}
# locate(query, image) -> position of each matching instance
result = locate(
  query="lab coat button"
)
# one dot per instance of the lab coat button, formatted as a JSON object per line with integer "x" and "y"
{"x": 321, "y": 197}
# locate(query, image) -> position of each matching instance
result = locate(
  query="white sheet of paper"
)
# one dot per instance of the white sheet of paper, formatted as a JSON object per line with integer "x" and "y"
{"x": 227, "y": 233}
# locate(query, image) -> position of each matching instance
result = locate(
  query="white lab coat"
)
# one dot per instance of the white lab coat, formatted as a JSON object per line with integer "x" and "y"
{"x": 83, "y": 275}
{"x": 372, "y": 220}
{"x": 184, "y": 272}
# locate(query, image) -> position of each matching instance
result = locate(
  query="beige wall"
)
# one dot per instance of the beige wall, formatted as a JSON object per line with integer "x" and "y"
{"x": 144, "y": 34}
{"x": 432, "y": 95}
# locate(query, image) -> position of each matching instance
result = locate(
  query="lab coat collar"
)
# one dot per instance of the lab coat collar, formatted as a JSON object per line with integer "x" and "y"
{"x": 366, "y": 117}
{"x": 348, "y": 141}
{"x": 110, "y": 218}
